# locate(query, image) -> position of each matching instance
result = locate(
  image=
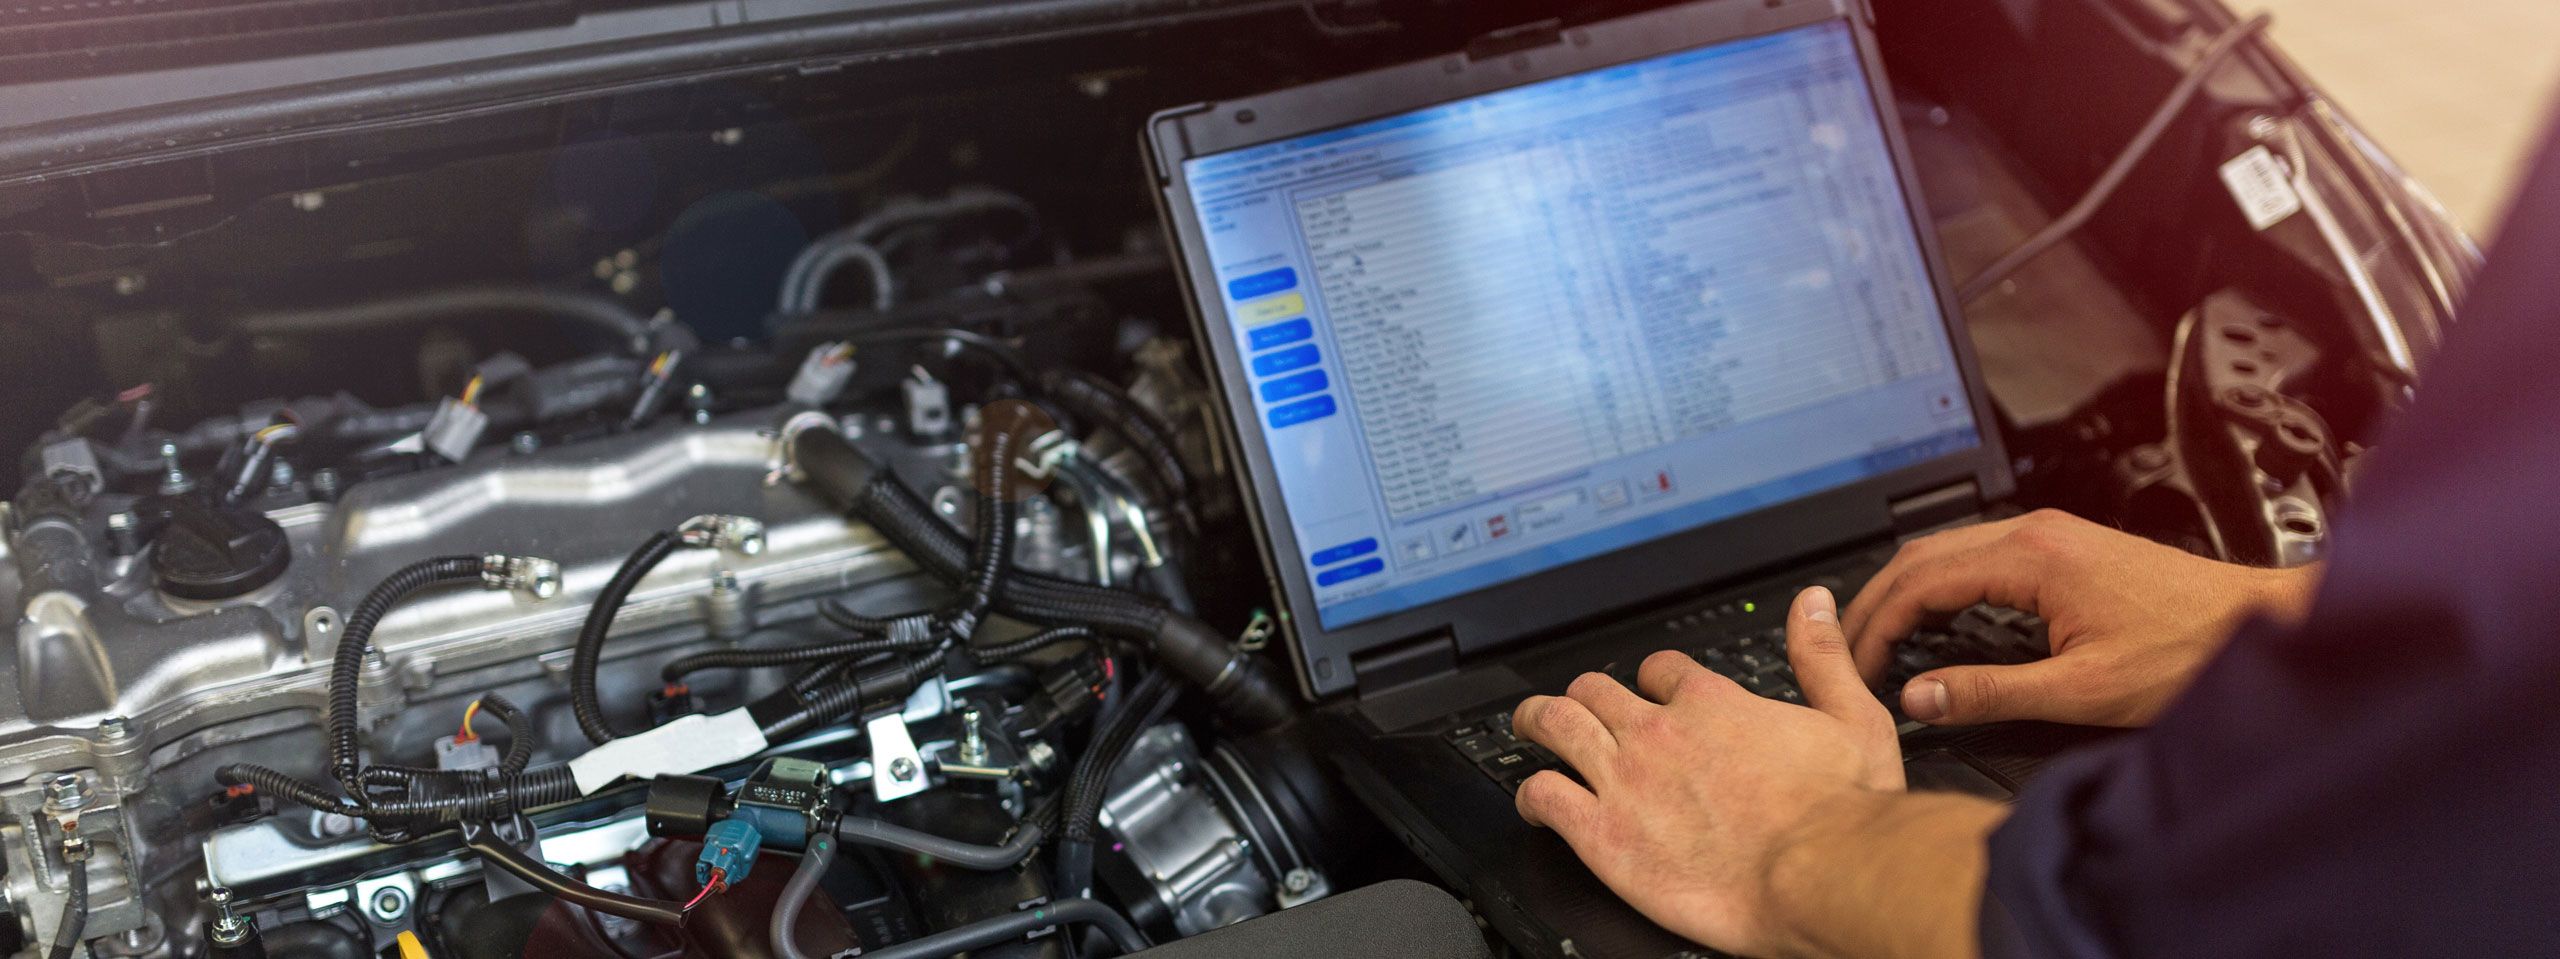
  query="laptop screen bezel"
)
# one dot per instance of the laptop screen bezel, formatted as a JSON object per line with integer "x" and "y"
{"x": 1649, "y": 572}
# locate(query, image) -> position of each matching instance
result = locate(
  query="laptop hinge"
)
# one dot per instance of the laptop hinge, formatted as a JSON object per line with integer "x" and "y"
{"x": 1936, "y": 507}
{"x": 1510, "y": 40}
{"x": 1405, "y": 662}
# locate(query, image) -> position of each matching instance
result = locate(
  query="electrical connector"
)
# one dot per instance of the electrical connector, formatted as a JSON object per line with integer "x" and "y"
{"x": 729, "y": 848}
{"x": 465, "y": 754}
{"x": 454, "y": 429}
{"x": 737, "y": 534}
{"x": 822, "y": 376}
{"x": 530, "y": 574}
{"x": 928, "y": 405}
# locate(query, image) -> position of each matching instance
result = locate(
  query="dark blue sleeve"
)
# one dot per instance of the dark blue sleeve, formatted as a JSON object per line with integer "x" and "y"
{"x": 2384, "y": 781}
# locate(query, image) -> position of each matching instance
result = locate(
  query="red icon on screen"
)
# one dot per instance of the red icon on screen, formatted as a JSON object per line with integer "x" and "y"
{"x": 1498, "y": 526}
{"x": 1662, "y": 481}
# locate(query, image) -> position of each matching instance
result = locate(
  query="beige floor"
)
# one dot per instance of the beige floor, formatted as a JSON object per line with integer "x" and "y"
{"x": 2458, "y": 90}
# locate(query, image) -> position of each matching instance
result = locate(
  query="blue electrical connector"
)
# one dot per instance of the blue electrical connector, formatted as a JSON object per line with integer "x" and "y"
{"x": 728, "y": 848}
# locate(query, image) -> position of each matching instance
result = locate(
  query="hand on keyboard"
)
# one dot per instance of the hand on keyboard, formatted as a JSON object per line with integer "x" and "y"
{"x": 1688, "y": 793}
{"x": 2129, "y": 621}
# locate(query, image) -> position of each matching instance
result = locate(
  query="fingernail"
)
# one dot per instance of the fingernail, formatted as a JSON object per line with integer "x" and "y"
{"x": 1820, "y": 607}
{"x": 1925, "y": 700}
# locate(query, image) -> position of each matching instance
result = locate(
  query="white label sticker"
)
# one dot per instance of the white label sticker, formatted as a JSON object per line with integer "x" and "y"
{"x": 686, "y": 744}
{"x": 2257, "y": 180}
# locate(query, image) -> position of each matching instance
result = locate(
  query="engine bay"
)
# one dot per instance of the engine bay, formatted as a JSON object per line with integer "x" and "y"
{"x": 486, "y": 535}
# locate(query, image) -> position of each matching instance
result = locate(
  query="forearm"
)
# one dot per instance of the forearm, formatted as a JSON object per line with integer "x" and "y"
{"x": 2285, "y": 595}
{"x": 1886, "y": 875}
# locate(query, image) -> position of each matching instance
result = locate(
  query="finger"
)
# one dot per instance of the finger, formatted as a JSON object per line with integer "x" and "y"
{"x": 1915, "y": 552}
{"x": 1820, "y": 654}
{"x": 1971, "y": 695}
{"x": 1568, "y": 728}
{"x": 1553, "y": 800}
{"x": 1671, "y": 674}
{"x": 1995, "y": 573}
{"x": 1615, "y": 705}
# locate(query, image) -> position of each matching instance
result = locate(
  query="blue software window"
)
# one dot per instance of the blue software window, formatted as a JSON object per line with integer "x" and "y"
{"x": 1504, "y": 334}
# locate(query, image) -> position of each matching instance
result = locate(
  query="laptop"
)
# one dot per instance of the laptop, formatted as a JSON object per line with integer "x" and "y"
{"x": 1544, "y": 356}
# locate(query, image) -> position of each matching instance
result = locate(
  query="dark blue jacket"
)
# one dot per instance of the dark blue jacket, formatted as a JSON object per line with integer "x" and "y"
{"x": 2384, "y": 781}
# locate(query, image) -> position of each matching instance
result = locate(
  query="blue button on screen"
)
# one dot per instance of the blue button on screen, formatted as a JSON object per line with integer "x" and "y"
{"x": 1351, "y": 550}
{"x": 1344, "y": 574}
{"x": 1262, "y": 284}
{"x": 1274, "y": 364}
{"x": 1281, "y": 334}
{"x": 1292, "y": 387}
{"x": 1302, "y": 411}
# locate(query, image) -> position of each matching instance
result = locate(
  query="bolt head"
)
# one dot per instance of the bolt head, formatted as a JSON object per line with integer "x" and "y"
{"x": 114, "y": 727}
{"x": 66, "y": 792}
{"x": 902, "y": 769}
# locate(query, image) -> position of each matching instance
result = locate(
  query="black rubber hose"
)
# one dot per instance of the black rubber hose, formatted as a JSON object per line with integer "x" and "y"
{"x": 498, "y": 852}
{"x": 75, "y": 912}
{"x": 786, "y": 656}
{"x": 605, "y": 315}
{"x": 348, "y": 670}
{"x": 966, "y": 855}
{"x": 589, "y": 653}
{"x": 1236, "y": 683}
{"x": 1015, "y": 925}
{"x": 785, "y": 931}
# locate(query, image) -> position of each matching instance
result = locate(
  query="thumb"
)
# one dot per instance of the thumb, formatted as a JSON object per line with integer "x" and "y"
{"x": 1970, "y": 695}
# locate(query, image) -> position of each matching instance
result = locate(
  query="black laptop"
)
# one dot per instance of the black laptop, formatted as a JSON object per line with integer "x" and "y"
{"x": 1545, "y": 356}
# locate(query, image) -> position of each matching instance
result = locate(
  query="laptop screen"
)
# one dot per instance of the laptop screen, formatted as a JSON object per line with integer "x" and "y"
{"x": 1508, "y": 333}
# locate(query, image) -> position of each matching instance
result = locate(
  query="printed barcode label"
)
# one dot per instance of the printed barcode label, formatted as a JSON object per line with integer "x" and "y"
{"x": 2257, "y": 181}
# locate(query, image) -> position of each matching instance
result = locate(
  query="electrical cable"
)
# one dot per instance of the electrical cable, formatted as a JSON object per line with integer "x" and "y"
{"x": 786, "y": 656}
{"x": 75, "y": 912}
{"x": 519, "y": 732}
{"x": 1011, "y": 926}
{"x": 1011, "y": 852}
{"x": 588, "y": 655}
{"x": 1080, "y": 811}
{"x": 347, "y": 671}
{"x": 1016, "y": 649}
{"x": 2224, "y": 46}
{"x": 785, "y": 931}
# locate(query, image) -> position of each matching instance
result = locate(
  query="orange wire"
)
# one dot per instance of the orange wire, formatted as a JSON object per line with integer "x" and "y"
{"x": 471, "y": 392}
{"x": 466, "y": 735}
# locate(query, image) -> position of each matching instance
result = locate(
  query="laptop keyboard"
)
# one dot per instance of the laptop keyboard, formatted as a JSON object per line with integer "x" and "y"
{"x": 1757, "y": 659}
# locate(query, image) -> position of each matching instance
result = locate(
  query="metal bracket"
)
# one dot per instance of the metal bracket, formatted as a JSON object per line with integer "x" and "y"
{"x": 897, "y": 770}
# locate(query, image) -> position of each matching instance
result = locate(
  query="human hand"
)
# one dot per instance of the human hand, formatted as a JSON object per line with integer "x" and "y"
{"x": 1698, "y": 786}
{"x": 2131, "y": 621}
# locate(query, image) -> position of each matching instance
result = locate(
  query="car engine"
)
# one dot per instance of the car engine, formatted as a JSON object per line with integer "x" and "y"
{"x": 271, "y": 663}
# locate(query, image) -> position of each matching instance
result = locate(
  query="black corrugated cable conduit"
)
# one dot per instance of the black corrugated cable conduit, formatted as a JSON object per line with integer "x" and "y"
{"x": 1235, "y": 682}
{"x": 348, "y": 668}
